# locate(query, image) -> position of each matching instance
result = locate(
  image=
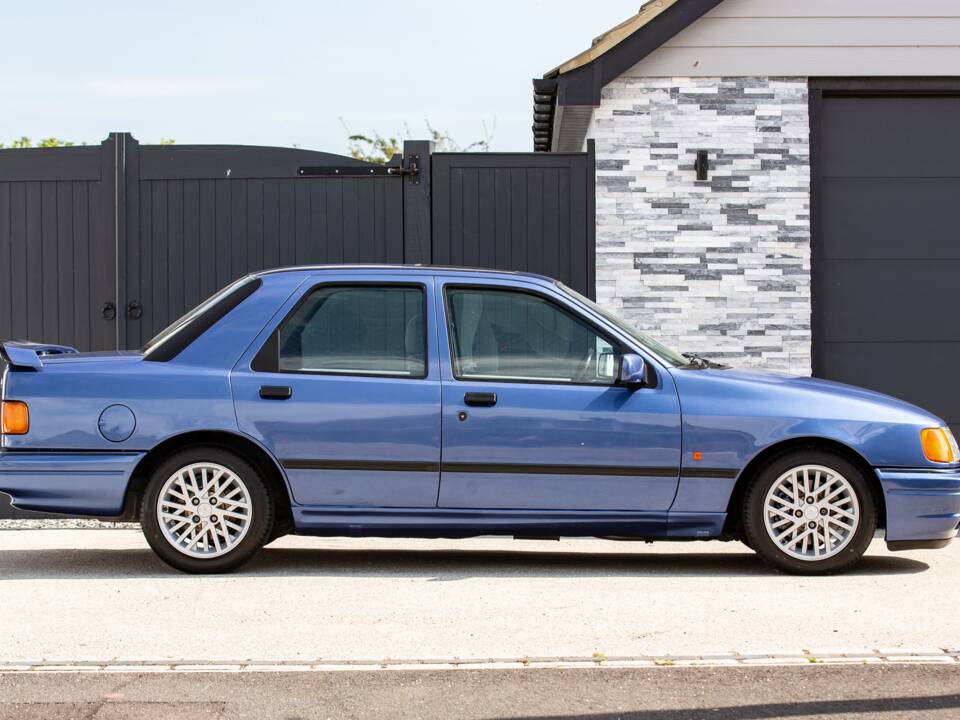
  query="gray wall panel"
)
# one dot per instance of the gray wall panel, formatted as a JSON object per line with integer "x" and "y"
{"x": 812, "y": 38}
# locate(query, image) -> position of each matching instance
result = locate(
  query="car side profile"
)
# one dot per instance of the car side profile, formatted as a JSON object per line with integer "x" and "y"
{"x": 442, "y": 402}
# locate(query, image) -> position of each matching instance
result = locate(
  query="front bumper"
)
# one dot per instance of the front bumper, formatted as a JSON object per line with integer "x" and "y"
{"x": 923, "y": 506}
{"x": 71, "y": 483}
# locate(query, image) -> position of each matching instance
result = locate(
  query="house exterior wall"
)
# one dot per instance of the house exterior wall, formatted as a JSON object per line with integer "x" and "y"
{"x": 813, "y": 37}
{"x": 720, "y": 267}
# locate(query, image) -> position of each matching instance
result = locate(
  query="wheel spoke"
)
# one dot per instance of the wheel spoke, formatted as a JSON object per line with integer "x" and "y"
{"x": 781, "y": 514}
{"x": 211, "y": 481}
{"x": 783, "y": 501}
{"x": 843, "y": 513}
{"x": 232, "y": 505}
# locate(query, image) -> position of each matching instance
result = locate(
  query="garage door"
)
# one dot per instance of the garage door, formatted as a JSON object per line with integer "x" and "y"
{"x": 886, "y": 251}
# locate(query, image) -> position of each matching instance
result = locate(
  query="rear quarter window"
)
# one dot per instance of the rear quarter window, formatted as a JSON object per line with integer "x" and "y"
{"x": 179, "y": 335}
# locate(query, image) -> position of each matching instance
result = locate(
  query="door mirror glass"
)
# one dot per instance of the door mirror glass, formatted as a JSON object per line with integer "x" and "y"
{"x": 633, "y": 370}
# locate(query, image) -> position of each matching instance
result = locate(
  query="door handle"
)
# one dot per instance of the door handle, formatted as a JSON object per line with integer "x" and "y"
{"x": 480, "y": 399}
{"x": 276, "y": 392}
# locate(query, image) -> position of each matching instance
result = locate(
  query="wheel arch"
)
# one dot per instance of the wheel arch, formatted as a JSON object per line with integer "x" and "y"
{"x": 242, "y": 445}
{"x": 770, "y": 453}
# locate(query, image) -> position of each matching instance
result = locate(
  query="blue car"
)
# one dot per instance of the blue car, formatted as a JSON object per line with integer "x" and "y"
{"x": 443, "y": 402}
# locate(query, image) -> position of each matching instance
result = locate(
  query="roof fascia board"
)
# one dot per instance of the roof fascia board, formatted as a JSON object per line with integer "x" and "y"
{"x": 583, "y": 85}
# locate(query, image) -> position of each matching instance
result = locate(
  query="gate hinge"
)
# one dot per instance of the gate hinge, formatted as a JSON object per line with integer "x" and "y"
{"x": 406, "y": 167}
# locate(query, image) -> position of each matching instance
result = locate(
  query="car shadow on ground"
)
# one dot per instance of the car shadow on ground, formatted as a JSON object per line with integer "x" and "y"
{"x": 441, "y": 565}
{"x": 858, "y": 708}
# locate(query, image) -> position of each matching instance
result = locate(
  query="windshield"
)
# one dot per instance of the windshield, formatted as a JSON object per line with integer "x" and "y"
{"x": 185, "y": 320}
{"x": 661, "y": 351}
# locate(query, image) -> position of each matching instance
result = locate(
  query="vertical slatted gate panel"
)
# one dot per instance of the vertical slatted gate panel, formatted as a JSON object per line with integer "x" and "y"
{"x": 57, "y": 251}
{"x": 208, "y": 215}
{"x": 194, "y": 218}
{"x": 530, "y": 212}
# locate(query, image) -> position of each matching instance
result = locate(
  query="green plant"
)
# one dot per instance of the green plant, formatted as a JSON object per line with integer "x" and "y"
{"x": 24, "y": 142}
{"x": 379, "y": 149}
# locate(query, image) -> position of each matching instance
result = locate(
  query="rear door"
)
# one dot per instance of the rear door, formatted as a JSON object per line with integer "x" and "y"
{"x": 345, "y": 392}
{"x": 532, "y": 417}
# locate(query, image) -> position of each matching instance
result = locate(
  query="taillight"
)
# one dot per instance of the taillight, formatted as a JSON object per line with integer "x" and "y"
{"x": 14, "y": 418}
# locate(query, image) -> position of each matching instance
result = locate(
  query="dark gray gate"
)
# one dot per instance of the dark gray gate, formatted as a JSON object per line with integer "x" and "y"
{"x": 516, "y": 211}
{"x": 202, "y": 216}
{"x": 101, "y": 247}
{"x": 57, "y": 244}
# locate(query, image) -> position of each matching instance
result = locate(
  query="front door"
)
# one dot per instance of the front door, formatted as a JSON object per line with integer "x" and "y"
{"x": 344, "y": 394}
{"x": 532, "y": 415}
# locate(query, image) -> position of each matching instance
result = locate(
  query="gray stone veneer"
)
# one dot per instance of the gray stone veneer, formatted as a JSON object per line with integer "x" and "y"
{"x": 720, "y": 267}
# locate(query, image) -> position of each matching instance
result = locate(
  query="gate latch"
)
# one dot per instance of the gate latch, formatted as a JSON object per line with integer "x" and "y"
{"x": 407, "y": 167}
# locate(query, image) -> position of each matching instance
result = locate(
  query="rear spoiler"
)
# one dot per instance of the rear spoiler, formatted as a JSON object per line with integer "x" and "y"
{"x": 22, "y": 354}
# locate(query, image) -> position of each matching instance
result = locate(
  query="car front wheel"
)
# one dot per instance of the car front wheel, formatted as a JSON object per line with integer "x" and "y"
{"x": 810, "y": 512}
{"x": 206, "y": 510}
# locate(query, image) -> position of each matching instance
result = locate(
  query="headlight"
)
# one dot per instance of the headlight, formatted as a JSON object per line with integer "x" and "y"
{"x": 939, "y": 445}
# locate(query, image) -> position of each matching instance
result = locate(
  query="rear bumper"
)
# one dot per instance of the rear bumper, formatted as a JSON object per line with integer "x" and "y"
{"x": 71, "y": 483}
{"x": 923, "y": 507}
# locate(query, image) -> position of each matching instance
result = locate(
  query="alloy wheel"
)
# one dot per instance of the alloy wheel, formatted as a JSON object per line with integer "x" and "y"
{"x": 204, "y": 510}
{"x": 811, "y": 512}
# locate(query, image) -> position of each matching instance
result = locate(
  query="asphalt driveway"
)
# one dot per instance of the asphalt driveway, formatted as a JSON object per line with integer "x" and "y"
{"x": 102, "y": 596}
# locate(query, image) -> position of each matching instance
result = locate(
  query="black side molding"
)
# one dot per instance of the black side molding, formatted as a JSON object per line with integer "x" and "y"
{"x": 719, "y": 473}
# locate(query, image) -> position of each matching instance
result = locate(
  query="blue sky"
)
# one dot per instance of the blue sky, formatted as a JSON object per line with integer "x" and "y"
{"x": 285, "y": 72}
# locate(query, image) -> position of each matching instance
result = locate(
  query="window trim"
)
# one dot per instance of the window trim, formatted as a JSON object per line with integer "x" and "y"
{"x": 263, "y": 362}
{"x": 448, "y": 318}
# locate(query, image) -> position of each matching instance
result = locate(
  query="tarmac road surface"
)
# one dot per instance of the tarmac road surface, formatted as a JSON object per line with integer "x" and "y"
{"x": 101, "y": 596}
{"x": 871, "y": 692}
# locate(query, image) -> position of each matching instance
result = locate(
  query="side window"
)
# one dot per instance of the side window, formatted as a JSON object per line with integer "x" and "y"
{"x": 506, "y": 335}
{"x": 356, "y": 330}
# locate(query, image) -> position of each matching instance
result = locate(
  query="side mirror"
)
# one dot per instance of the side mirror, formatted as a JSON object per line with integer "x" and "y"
{"x": 633, "y": 371}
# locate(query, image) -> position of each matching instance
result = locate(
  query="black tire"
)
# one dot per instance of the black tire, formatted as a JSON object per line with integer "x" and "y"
{"x": 755, "y": 530}
{"x": 260, "y": 524}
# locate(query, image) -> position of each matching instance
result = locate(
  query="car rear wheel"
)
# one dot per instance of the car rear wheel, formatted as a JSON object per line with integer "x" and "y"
{"x": 206, "y": 510}
{"x": 810, "y": 512}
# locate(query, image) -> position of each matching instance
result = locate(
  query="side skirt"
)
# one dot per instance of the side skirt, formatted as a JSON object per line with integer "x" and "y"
{"x": 462, "y": 523}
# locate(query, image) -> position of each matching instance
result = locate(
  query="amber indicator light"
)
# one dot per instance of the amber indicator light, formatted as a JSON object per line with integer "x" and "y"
{"x": 938, "y": 445}
{"x": 16, "y": 418}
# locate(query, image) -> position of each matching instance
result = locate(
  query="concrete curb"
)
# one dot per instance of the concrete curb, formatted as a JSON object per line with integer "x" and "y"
{"x": 879, "y": 656}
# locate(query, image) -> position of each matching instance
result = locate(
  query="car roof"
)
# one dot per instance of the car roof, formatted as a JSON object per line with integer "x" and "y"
{"x": 411, "y": 269}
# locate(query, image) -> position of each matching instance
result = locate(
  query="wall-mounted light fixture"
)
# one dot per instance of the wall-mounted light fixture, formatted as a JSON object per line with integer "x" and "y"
{"x": 701, "y": 165}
